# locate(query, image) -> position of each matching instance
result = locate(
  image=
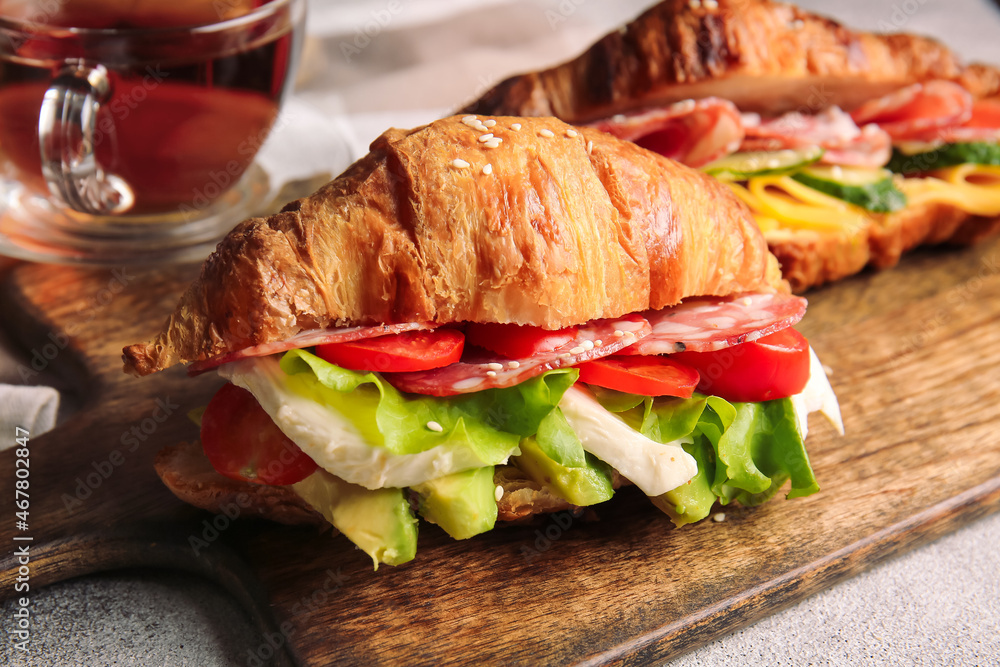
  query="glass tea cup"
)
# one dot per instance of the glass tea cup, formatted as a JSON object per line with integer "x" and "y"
{"x": 128, "y": 130}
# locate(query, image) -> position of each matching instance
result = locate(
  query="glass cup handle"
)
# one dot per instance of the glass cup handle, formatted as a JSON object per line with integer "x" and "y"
{"x": 67, "y": 127}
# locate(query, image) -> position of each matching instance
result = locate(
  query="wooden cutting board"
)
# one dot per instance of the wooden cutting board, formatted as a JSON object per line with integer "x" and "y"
{"x": 915, "y": 359}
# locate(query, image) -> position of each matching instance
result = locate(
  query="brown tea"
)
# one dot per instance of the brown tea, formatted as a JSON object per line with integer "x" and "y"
{"x": 117, "y": 14}
{"x": 187, "y": 109}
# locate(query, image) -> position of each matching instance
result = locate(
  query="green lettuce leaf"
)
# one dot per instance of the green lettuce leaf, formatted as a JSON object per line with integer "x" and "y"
{"x": 557, "y": 439}
{"x": 745, "y": 451}
{"x": 490, "y": 423}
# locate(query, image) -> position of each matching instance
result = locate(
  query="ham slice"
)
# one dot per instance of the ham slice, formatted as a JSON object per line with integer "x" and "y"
{"x": 983, "y": 125}
{"x": 714, "y": 323}
{"x": 846, "y": 144}
{"x": 308, "y": 339}
{"x": 485, "y": 370}
{"x": 693, "y": 133}
{"x": 911, "y": 113}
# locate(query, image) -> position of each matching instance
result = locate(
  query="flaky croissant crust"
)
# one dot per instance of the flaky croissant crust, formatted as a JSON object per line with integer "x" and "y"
{"x": 553, "y": 226}
{"x": 764, "y": 56}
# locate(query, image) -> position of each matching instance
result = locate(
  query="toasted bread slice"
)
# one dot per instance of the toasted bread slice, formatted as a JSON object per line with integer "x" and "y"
{"x": 809, "y": 258}
{"x": 186, "y": 471}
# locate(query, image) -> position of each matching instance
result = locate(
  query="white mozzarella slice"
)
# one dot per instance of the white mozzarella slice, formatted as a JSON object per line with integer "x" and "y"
{"x": 817, "y": 396}
{"x": 332, "y": 441}
{"x": 653, "y": 467}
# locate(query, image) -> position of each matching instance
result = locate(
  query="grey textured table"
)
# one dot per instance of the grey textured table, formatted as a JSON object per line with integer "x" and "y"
{"x": 937, "y": 605}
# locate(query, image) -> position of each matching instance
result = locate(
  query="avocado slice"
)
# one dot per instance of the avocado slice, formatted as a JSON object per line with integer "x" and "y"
{"x": 947, "y": 155}
{"x": 871, "y": 189}
{"x": 463, "y": 503}
{"x": 378, "y": 521}
{"x": 585, "y": 485}
{"x": 691, "y": 502}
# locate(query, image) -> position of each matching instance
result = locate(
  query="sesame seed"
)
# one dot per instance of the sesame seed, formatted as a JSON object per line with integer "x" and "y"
{"x": 480, "y": 127}
{"x": 459, "y": 163}
{"x": 718, "y": 517}
{"x": 694, "y": 4}
{"x": 493, "y": 143}
{"x": 618, "y": 118}
{"x": 486, "y": 137}
{"x": 710, "y": 4}
{"x": 515, "y": 126}
{"x": 513, "y": 364}
{"x": 470, "y": 118}
{"x": 590, "y": 147}
{"x": 579, "y": 349}
{"x": 491, "y": 374}
{"x": 498, "y": 493}
{"x": 489, "y": 123}
{"x": 571, "y": 133}
{"x": 487, "y": 169}
{"x": 434, "y": 426}
{"x": 494, "y": 366}
{"x": 547, "y": 133}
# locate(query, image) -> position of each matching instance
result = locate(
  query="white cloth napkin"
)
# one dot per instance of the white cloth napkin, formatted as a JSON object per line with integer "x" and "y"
{"x": 31, "y": 408}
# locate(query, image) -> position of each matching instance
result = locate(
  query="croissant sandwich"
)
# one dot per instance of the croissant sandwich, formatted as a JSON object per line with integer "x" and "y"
{"x": 849, "y": 147}
{"x": 488, "y": 318}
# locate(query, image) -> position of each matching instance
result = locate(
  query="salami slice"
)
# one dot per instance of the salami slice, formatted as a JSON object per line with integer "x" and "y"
{"x": 308, "y": 339}
{"x": 714, "y": 323}
{"x": 694, "y": 133}
{"x": 872, "y": 148}
{"x": 833, "y": 129}
{"x": 909, "y": 113}
{"x": 484, "y": 370}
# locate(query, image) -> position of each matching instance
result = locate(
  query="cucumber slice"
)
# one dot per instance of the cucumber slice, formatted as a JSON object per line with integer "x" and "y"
{"x": 871, "y": 189}
{"x": 946, "y": 155}
{"x": 741, "y": 166}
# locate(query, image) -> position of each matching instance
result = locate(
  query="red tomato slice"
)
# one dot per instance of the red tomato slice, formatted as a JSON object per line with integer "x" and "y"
{"x": 407, "y": 351}
{"x": 243, "y": 443}
{"x": 772, "y": 367}
{"x": 648, "y": 375}
{"x": 985, "y": 113}
{"x": 515, "y": 341}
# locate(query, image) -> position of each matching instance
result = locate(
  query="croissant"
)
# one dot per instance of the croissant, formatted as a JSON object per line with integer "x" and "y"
{"x": 767, "y": 58}
{"x": 600, "y": 246}
{"x": 552, "y": 227}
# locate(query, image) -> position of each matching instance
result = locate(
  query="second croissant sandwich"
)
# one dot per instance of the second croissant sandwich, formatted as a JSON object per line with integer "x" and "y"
{"x": 488, "y": 318}
{"x": 849, "y": 147}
